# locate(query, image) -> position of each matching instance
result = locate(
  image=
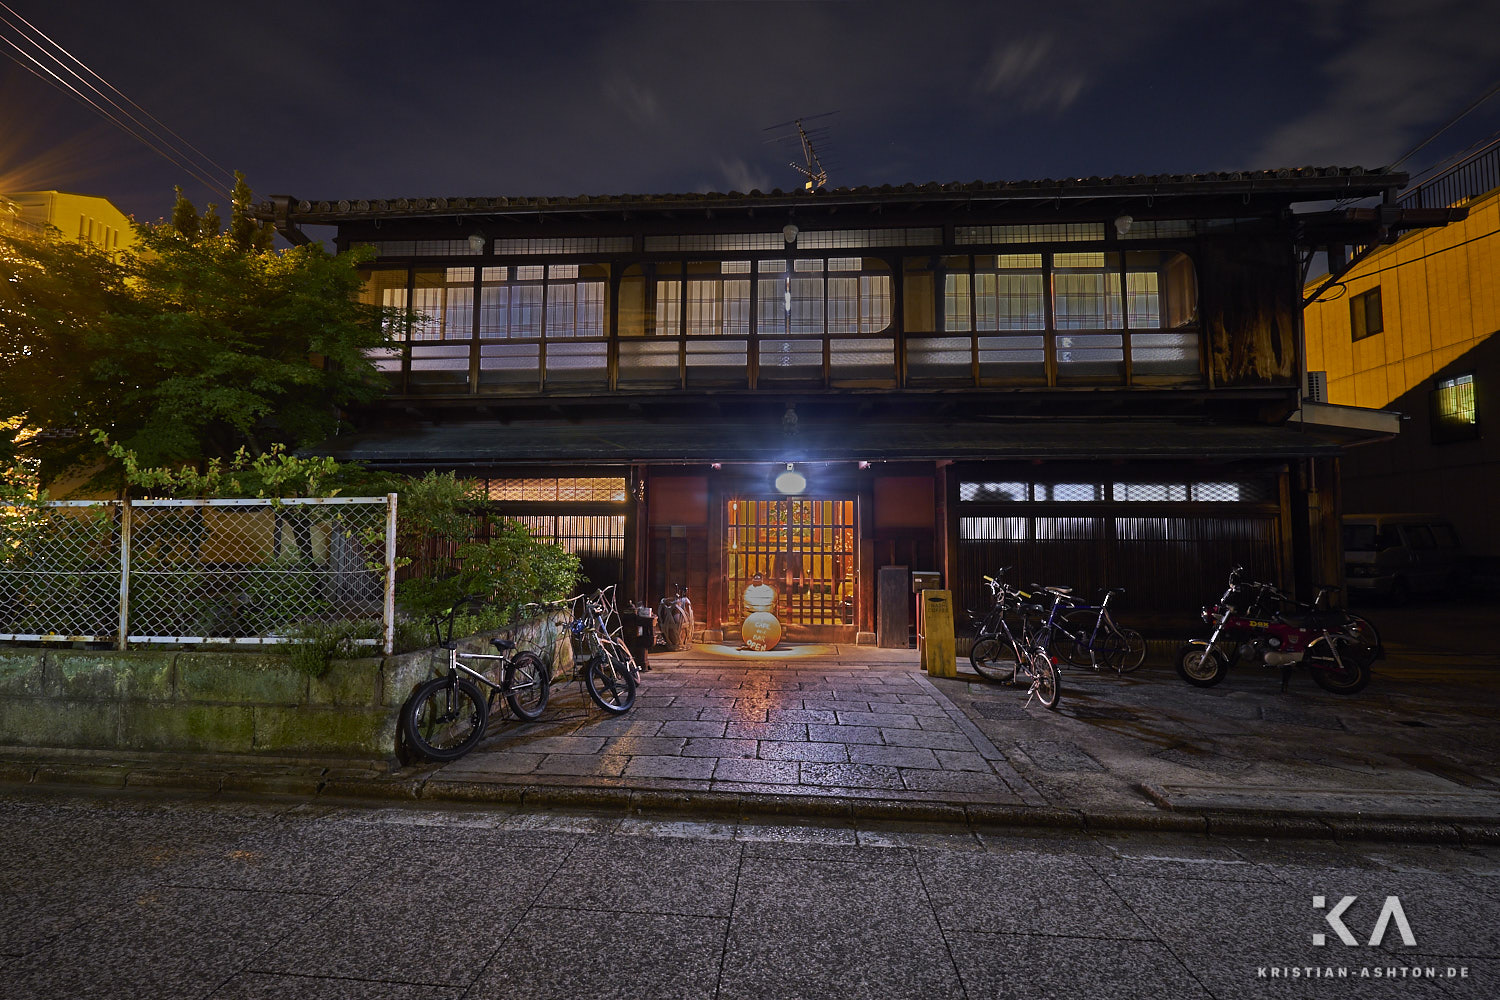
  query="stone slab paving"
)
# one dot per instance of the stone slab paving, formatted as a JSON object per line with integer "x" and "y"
{"x": 506, "y": 902}
{"x": 868, "y": 725}
{"x": 821, "y": 721}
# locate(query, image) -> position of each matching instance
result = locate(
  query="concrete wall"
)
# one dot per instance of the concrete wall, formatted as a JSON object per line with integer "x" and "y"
{"x": 199, "y": 702}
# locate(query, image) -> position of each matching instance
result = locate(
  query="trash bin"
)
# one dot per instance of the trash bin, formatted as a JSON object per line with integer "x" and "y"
{"x": 639, "y": 625}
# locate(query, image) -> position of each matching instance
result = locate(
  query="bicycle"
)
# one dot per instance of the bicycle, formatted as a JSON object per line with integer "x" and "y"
{"x": 1031, "y": 664}
{"x": 447, "y": 715}
{"x": 609, "y": 674}
{"x": 1095, "y": 640}
{"x": 1007, "y": 628}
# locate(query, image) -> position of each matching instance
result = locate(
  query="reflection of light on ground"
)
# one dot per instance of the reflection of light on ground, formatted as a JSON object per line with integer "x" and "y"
{"x": 781, "y": 652}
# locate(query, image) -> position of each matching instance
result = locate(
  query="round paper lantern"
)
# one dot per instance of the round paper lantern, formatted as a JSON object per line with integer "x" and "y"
{"x": 760, "y": 632}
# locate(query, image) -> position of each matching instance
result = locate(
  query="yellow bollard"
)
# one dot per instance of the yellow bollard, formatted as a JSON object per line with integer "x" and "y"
{"x": 935, "y": 645}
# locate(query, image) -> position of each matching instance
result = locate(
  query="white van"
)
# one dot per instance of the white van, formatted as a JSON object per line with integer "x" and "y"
{"x": 1397, "y": 555}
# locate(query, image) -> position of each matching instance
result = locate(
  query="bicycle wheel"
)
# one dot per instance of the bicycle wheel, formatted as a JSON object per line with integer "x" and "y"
{"x": 1044, "y": 683}
{"x": 445, "y": 718}
{"x": 993, "y": 659}
{"x": 1122, "y": 651}
{"x": 1135, "y": 651}
{"x": 526, "y": 686}
{"x": 609, "y": 684}
{"x": 1070, "y": 640}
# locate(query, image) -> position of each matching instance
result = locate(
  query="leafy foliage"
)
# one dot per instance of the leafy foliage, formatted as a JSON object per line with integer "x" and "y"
{"x": 195, "y": 346}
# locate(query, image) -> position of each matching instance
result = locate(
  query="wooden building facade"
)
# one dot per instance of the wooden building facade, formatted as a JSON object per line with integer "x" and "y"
{"x": 1091, "y": 380}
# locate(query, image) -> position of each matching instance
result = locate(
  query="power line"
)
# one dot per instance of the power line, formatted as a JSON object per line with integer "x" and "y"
{"x": 160, "y": 139}
{"x": 1494, "y": 89}
{"x": 43, "y": 72}
{"x": 1403, "y": 263}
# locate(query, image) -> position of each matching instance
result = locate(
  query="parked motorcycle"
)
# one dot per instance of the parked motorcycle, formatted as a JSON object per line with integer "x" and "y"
{"x": 1259, "y": 624}
{"x": 674, "y": 617}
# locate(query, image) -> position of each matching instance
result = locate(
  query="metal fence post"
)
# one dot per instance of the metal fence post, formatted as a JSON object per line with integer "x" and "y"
{"x": 389, "y": 613}
{"x": 124, "y": 573}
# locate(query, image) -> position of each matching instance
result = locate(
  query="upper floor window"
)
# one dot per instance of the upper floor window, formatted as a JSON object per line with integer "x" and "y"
{"x": 1455, "y": 417}
{"x": 1365, "y": 316}
{"x": 1085, "y": 291}
{"x": 803, "y": 297}
{"x": 556, "y": 301}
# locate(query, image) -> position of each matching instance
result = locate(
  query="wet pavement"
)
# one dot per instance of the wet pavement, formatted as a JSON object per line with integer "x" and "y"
{"x": 867, "y": 729}
{"x": 133, "y": 898}
{"x": 854, "y": 733}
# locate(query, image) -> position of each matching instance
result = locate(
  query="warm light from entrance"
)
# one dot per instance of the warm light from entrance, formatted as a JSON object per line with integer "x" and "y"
{"x": 791, "y": 481}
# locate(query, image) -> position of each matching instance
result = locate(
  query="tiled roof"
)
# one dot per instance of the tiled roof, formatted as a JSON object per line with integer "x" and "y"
{"x": 1296, "y": 183}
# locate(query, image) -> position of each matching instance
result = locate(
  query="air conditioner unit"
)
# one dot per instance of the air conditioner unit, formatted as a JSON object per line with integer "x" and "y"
{"x": 1315, "y": 388}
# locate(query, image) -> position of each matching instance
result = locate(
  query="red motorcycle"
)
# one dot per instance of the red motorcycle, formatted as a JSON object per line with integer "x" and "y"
{"x": 1257, "y": 623}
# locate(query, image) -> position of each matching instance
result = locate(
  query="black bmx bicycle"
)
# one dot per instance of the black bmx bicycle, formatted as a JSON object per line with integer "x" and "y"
{"x": 447, "y": 715}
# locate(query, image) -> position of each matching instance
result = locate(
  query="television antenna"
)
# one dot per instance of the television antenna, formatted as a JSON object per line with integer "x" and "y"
{"x": 815, "y": 174}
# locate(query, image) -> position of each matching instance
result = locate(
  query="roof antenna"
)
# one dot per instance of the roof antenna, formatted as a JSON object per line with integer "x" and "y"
{"x": 811, "y": 166}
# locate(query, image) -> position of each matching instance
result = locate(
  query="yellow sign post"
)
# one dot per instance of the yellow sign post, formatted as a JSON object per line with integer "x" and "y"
{"x": 935, "y": 644}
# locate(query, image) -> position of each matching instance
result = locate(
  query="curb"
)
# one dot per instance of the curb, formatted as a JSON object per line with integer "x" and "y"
{"x": 316, "y": 783}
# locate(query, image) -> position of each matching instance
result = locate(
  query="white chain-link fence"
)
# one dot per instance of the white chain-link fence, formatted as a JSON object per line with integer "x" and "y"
{"x": 177, "y": 571}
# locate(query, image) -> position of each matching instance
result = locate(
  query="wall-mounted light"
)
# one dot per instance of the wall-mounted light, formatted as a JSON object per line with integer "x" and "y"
{"x": 477, "y": 242}
{"x": 789, "y": 233}
{"x": 1122, "y": 225}
{"x": 791, "y": 481}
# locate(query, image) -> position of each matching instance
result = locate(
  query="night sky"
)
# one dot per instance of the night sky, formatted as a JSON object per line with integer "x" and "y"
{"x": 385, "y": 100}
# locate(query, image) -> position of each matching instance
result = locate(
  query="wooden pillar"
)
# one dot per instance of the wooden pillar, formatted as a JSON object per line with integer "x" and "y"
{"x": 865, "y": 565}
{"x": 945, "y": 523}
{"x": 717, "y": 538}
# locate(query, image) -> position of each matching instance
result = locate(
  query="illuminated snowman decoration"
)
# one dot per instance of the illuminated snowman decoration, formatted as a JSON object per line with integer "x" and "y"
{"x": 761, "y": 631}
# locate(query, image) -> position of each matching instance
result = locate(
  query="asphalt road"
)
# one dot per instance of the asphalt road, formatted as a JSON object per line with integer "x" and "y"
{"x": 166, "y": 898}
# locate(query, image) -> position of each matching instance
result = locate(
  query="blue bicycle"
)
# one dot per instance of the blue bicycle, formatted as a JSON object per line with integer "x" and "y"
{"x": 1087, "y": 636}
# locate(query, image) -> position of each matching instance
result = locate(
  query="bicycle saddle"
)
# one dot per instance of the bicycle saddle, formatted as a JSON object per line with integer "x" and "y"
{"x": 502, "y": 644}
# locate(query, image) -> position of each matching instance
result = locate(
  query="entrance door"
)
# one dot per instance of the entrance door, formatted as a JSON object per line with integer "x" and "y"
{"x": 804, "y": 549}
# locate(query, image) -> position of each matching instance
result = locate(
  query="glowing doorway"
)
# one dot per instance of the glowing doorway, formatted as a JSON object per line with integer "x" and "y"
{"x": 803, "y": 548}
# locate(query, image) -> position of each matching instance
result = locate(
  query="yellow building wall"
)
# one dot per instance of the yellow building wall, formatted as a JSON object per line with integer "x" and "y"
{"x": 83, "y": 216}
{"x": 1439, "y": 297}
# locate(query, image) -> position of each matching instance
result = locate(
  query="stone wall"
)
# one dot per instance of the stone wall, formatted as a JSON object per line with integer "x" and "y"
{"x": 210, "y": 702}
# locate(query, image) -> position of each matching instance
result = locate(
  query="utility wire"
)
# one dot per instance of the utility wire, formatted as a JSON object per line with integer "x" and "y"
{"x": 160, "y": 139}
{"x": 46, "y": 74}
{"x": 1491, "y": 92}
{"x": 204, "y": 157}
{"x": 1494, "y": 89}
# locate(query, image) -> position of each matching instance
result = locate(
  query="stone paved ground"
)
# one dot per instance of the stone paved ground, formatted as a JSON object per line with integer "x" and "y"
{"x": 861, "y": 723}
{"x": 179, "y": 900}
{"x": 822, "y": 720}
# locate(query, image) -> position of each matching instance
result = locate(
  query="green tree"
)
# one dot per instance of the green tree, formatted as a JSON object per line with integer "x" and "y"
{"x": 58, "y": 300}
{"x": 198, "y": 344}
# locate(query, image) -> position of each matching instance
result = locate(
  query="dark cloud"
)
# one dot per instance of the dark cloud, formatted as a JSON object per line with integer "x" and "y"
{"x": 1395, "y": 73}
{"x": 384, "y": 99}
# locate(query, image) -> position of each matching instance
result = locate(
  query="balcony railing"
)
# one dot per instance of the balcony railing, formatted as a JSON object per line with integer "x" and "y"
{"x": 1471, "y": 177}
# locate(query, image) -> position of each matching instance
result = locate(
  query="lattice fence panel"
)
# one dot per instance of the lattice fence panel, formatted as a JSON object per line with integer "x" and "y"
{"x": 242, "y": 569}
{"x": 60, "y": 571}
